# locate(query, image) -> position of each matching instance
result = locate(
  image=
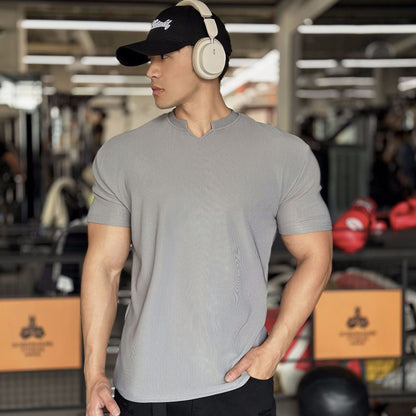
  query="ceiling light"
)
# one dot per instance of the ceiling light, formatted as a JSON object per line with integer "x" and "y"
{"x": 48, "y": 60}
{"x": 403, "y": 79}
{"x": 406, "y": 83}
{"x": 252, "y": 28}
{"x": 22, "y": 95}
{"x": 239, "y": 62}
{"x": 316, "y": 63}
{"x": 100, "y": 60}
{"x": 378, "y": 63}
{"x": 359, "y": 93}
{"x": 133, "y": 26}
{"x": 265, "y": 69}
{"x": 231, "y": 27}
{"x": 112, "y": 61}
{"x": 127, "y": 91}
{"x": 109, "y": 79}
{"x": 85, "y": 90}
{"x": 49, "y": 90}
{"x": 113, "y": 91}
{"x": 344, "y": 81}
{"x": 356, "y": 29}
{"x": 318, "y": 94}
{"x": 86, "y": 25}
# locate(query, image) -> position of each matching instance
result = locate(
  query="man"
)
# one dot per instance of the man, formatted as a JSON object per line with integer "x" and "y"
{"x": 198, "y": 193}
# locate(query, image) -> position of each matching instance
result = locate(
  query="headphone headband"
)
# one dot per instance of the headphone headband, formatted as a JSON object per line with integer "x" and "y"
{"x": 206, "y": 14}
{"x": 203, "y": 9}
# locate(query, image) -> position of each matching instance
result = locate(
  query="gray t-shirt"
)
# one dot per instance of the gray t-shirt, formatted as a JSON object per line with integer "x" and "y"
{"x": 203, "y": 214}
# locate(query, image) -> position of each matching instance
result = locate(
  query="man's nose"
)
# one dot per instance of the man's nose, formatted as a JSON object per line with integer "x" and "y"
{"x": 153, "y": 71}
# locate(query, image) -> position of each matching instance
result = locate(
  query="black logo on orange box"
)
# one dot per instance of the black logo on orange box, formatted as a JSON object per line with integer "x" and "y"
{"x": 357, "y": 320}
{"x": 356, "y": 324}
{"x": 36, "y": 347}
{"x": 32, "y": 330}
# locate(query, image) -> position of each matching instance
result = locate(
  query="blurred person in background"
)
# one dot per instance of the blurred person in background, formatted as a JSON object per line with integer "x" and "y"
{"x": 10, "y": 158}
{"x": 393, "y": 174}
{"x": 93, "y": 135}
{"x": 10, "y": 176}
{"x": 400, "y": 156}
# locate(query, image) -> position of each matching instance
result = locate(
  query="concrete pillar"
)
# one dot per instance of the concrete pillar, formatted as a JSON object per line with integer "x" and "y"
{"x": 288, "y": 44}
{"x": 290, "y": 14}
{"x": 62, "y": 79}
{"x": 386, "y": 80}
{"x": 12, "y": 40}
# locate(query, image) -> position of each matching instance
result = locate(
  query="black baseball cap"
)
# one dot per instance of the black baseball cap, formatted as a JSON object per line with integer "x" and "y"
{"x": 173, "y": 28}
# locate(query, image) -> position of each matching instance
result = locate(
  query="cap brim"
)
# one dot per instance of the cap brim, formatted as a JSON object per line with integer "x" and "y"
{"x": 138, "y": 53}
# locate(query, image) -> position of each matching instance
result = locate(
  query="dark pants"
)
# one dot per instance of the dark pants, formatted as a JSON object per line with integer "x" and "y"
{"x": 255, "y": 398}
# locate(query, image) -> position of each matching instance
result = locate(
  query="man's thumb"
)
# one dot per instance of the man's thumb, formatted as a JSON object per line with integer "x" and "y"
{"x": 237, "y": 370}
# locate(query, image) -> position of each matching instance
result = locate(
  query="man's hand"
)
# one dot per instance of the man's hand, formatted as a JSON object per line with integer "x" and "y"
{"x": 260, "y": 363}
{"x": 99, "y": 397}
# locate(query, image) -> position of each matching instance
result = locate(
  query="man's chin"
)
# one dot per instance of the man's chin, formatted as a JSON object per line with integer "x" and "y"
{"x": 163, "y": 106}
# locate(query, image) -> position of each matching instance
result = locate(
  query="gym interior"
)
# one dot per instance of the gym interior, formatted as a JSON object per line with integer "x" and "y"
{"x": 340, "y": 74}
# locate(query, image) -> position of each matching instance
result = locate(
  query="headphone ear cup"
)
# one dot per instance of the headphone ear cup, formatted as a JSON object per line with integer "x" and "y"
{"x": 208, "y": 58}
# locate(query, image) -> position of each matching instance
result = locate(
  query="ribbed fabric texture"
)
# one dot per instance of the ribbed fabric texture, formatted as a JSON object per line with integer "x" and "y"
{"x": 203, "y": 214}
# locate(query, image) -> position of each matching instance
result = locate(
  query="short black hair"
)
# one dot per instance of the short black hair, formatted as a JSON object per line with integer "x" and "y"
{"x": 226, "y": 66}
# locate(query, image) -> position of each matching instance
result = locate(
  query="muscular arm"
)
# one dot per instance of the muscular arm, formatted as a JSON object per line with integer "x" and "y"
{"x": 108, "y": 248}
{"x": 313, "y": 253}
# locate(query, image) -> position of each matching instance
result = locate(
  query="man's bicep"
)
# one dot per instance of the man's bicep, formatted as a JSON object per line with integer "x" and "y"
{"x": 302, "y": 246}
{"x": 109, "y": 244}
{"x": 302, "y": 209}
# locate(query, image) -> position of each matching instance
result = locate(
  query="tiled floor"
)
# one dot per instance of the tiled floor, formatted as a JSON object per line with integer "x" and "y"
{"x": 286, "y": 407}
{"x": 78, "y": 412}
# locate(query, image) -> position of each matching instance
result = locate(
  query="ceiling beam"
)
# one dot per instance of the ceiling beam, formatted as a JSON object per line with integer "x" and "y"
{"x": 85, "y": 41}
{"x": 402, "y": 46}
{"x": 292, "y": 13}
{"x": 49, "y": 48}
{"x": 395, "y": 13}
{"x": 157, "y": 3}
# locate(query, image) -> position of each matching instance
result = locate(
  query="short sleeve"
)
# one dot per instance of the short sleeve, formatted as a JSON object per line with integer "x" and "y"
{"x": 110, "y": 204}
{"x": 302, "y": 209}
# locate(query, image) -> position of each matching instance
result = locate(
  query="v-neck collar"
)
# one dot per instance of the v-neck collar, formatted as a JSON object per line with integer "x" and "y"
{"x": 215, "y": 125}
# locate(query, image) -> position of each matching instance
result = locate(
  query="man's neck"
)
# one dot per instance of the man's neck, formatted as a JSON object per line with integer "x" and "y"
{"x": 199, "y": 115}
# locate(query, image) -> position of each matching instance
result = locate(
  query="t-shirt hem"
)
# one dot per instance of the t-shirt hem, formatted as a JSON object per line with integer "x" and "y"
{"x": 302, "y": 229}
{"x": 105, "y": 221}
{"x": 240, "y": 382}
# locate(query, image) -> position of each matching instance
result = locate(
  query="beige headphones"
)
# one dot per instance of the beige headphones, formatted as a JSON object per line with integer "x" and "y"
{"x": 208, "y": 57}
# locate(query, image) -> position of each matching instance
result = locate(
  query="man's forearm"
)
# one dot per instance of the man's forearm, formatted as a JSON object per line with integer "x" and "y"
{"x": 298, "y": 301}
{"x": 98, "y": 309}
{"x": 313, "y": 253}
